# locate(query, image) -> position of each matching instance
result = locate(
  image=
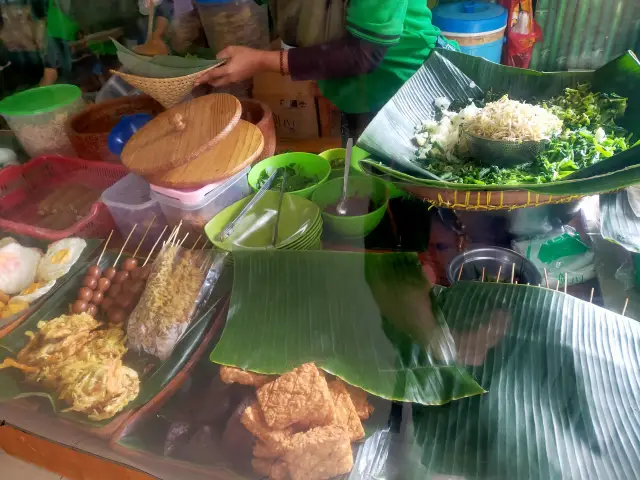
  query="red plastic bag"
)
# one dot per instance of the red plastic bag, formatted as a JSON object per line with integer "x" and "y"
{"x": 522, "y": 33}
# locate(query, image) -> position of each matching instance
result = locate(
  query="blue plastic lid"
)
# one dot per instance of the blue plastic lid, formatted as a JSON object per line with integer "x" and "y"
{"x": 469, "y": 17}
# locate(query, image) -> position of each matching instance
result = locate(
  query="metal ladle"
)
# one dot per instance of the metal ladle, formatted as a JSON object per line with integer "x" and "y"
{"x": 341, "y": 208}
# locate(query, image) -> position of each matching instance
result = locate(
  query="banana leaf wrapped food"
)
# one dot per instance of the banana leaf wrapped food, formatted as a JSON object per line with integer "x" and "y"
{"x": 178, "y": 281}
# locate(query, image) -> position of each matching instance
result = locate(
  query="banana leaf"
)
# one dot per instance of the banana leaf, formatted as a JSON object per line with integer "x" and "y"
{"x": 154, "y": 375}
{"x": 366, "y": 318}
{"x": 459, "y": 77}
{"x": 618, "y": 222}
{"x": 160, "y": 66}
{"x": 562, "y": 398}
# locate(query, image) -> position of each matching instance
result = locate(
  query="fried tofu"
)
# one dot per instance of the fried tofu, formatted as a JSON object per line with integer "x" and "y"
{"x": 359, "y": 399}
{"x": 263, "y": 450}
{"x": 300, "y": 398}
{"x": 276, "y": 440}
{"x": 243, "y": 377}
{"x": 274, "y": 469}
{"x": 346, "y": 414}
{"x": 319, "y": 454}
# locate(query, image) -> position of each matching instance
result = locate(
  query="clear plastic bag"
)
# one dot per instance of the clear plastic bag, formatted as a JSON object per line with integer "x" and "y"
{"x": 179, "y": 280}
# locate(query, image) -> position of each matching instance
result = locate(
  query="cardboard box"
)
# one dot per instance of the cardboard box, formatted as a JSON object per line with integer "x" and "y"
{"x": 295, "y": 113}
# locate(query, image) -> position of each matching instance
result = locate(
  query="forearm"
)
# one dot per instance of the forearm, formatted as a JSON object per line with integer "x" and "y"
{"x": 160, "y": 28}
{"x": 346, "y": 57}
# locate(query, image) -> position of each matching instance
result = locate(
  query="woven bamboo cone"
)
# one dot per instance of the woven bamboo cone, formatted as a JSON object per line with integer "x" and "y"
{"x": 167, "y": 91}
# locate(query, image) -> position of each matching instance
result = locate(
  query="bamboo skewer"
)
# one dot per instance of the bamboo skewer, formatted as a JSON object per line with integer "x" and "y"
{"x": 482, "y": 278}
{"x": 460, "y": 272}
{"x": 546, "y": 277}
{"x": 513, "y": 271}
{"x": 196, "y": 242}
{"x": 183, "y": 240}
{"x": 499, "y": 273}
{"x": 125, "y": 244}
{"x": 591, "y": 296}
{"x": 565, "y": 282}
{"x": 558, "y": 285}
{"x": 154, "y": 245}
{"x": 626, "y": 302}
{"x": 144, "y": 236}
{"x": 104, "y": 248}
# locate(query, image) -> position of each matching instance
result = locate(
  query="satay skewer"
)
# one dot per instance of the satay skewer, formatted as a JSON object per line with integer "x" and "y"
{"x": 499, "y": 273}
{"x": 104, "y": 248}
{"x": 125, "y": 244}
{"x": 546, "y": 277}
{"x": 565, "y": 282}
{"x": 145, "y": 235}
{"x": 624, "y": 309}
{"x": 183, "y": 240}
{"x": 154, "y": 245}
{"x": 460, "y": 272}
{"x": 195, "y": 243}
{"x": 558, "y": 285}
{"x": 513, "y": 271}
{"x": 482, "y": 277}
{"x": 591, "y": 296}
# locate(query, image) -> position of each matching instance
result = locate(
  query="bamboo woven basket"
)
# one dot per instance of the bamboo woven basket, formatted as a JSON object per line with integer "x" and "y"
{"x": 167, "y": 91}
{"x": 483, "y": 200}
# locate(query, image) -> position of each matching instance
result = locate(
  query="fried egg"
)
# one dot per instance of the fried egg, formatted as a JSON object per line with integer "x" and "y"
{"x": 18, "y": 266}
{"x": 34, "y": 291}
{"x": 59, "y": 259}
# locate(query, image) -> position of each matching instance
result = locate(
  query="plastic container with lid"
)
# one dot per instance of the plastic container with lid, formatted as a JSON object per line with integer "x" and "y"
{"x": 38, "y": 118}
{"x": 196, "y": 207}
{"x": 129, "y": 202}
{"x": 234, "y": 22}
{"x": 478, "y": 27}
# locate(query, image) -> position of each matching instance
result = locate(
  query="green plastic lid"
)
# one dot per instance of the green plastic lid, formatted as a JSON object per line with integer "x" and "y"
{"x": 39, "y": 100}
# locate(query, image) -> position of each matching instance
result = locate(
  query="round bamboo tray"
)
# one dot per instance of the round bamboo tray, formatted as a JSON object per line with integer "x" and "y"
{"x": 167, "y": 91}
{"x": 482, "y": 200}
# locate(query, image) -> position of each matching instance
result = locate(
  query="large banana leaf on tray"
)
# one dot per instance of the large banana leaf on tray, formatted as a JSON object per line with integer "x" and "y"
{"x": 460, "y": 77}
{"x": 367, "y": 318}
{"x": 153, "y": 373}
{"x": 562, "y": 394}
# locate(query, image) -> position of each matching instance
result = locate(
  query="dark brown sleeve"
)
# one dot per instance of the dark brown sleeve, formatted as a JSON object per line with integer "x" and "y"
{"x": 346, "y": 57}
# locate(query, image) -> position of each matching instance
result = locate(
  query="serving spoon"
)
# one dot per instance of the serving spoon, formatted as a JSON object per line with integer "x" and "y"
{"x": 341, "y": 208}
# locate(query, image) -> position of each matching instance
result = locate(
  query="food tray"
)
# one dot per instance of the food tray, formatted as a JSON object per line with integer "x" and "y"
{"x": 23, "y": 187}
{"x": 152, "y": 383}
{"x": 7, "y": 325}
{"x": 195, "y": 207}
{"x": 154, "y": 406}
{"x": 130, "y": 203}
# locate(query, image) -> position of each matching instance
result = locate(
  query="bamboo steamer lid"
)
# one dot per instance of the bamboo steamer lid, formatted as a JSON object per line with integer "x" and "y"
{"x": 181, "y": 134}
{"x": 231, "y": 155}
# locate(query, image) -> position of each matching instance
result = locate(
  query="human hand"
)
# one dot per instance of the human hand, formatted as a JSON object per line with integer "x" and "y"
{"x": 242, "y": 63}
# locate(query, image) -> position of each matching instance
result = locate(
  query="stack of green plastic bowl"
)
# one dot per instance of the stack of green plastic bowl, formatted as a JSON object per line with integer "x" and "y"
{"x": 299, "y": 224}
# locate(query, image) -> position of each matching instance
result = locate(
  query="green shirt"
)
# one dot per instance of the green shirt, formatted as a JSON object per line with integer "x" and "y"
{"x": 59, "y": 25}
{"x": 402, "y": 25}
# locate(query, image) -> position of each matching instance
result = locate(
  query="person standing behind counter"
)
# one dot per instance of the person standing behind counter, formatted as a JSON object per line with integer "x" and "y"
{"x": 359, "y": 51}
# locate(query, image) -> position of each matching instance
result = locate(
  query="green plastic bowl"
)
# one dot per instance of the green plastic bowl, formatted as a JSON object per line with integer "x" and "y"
{"x": 352, "y": 226}
{"x": 335, "y": 153}
{"x": 311, "y": 165}
{"x": 357, "y": 155}
{"x": 39, "y": 100}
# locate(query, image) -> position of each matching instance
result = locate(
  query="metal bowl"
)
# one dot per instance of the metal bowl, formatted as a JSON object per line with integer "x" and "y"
{"x": 502, "y": 153}
{"x": 492, "y": 258}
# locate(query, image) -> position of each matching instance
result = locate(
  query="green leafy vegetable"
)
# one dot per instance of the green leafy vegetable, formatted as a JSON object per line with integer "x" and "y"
{"x": 590, "y": 135}
{"x": 296, "y": 178}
